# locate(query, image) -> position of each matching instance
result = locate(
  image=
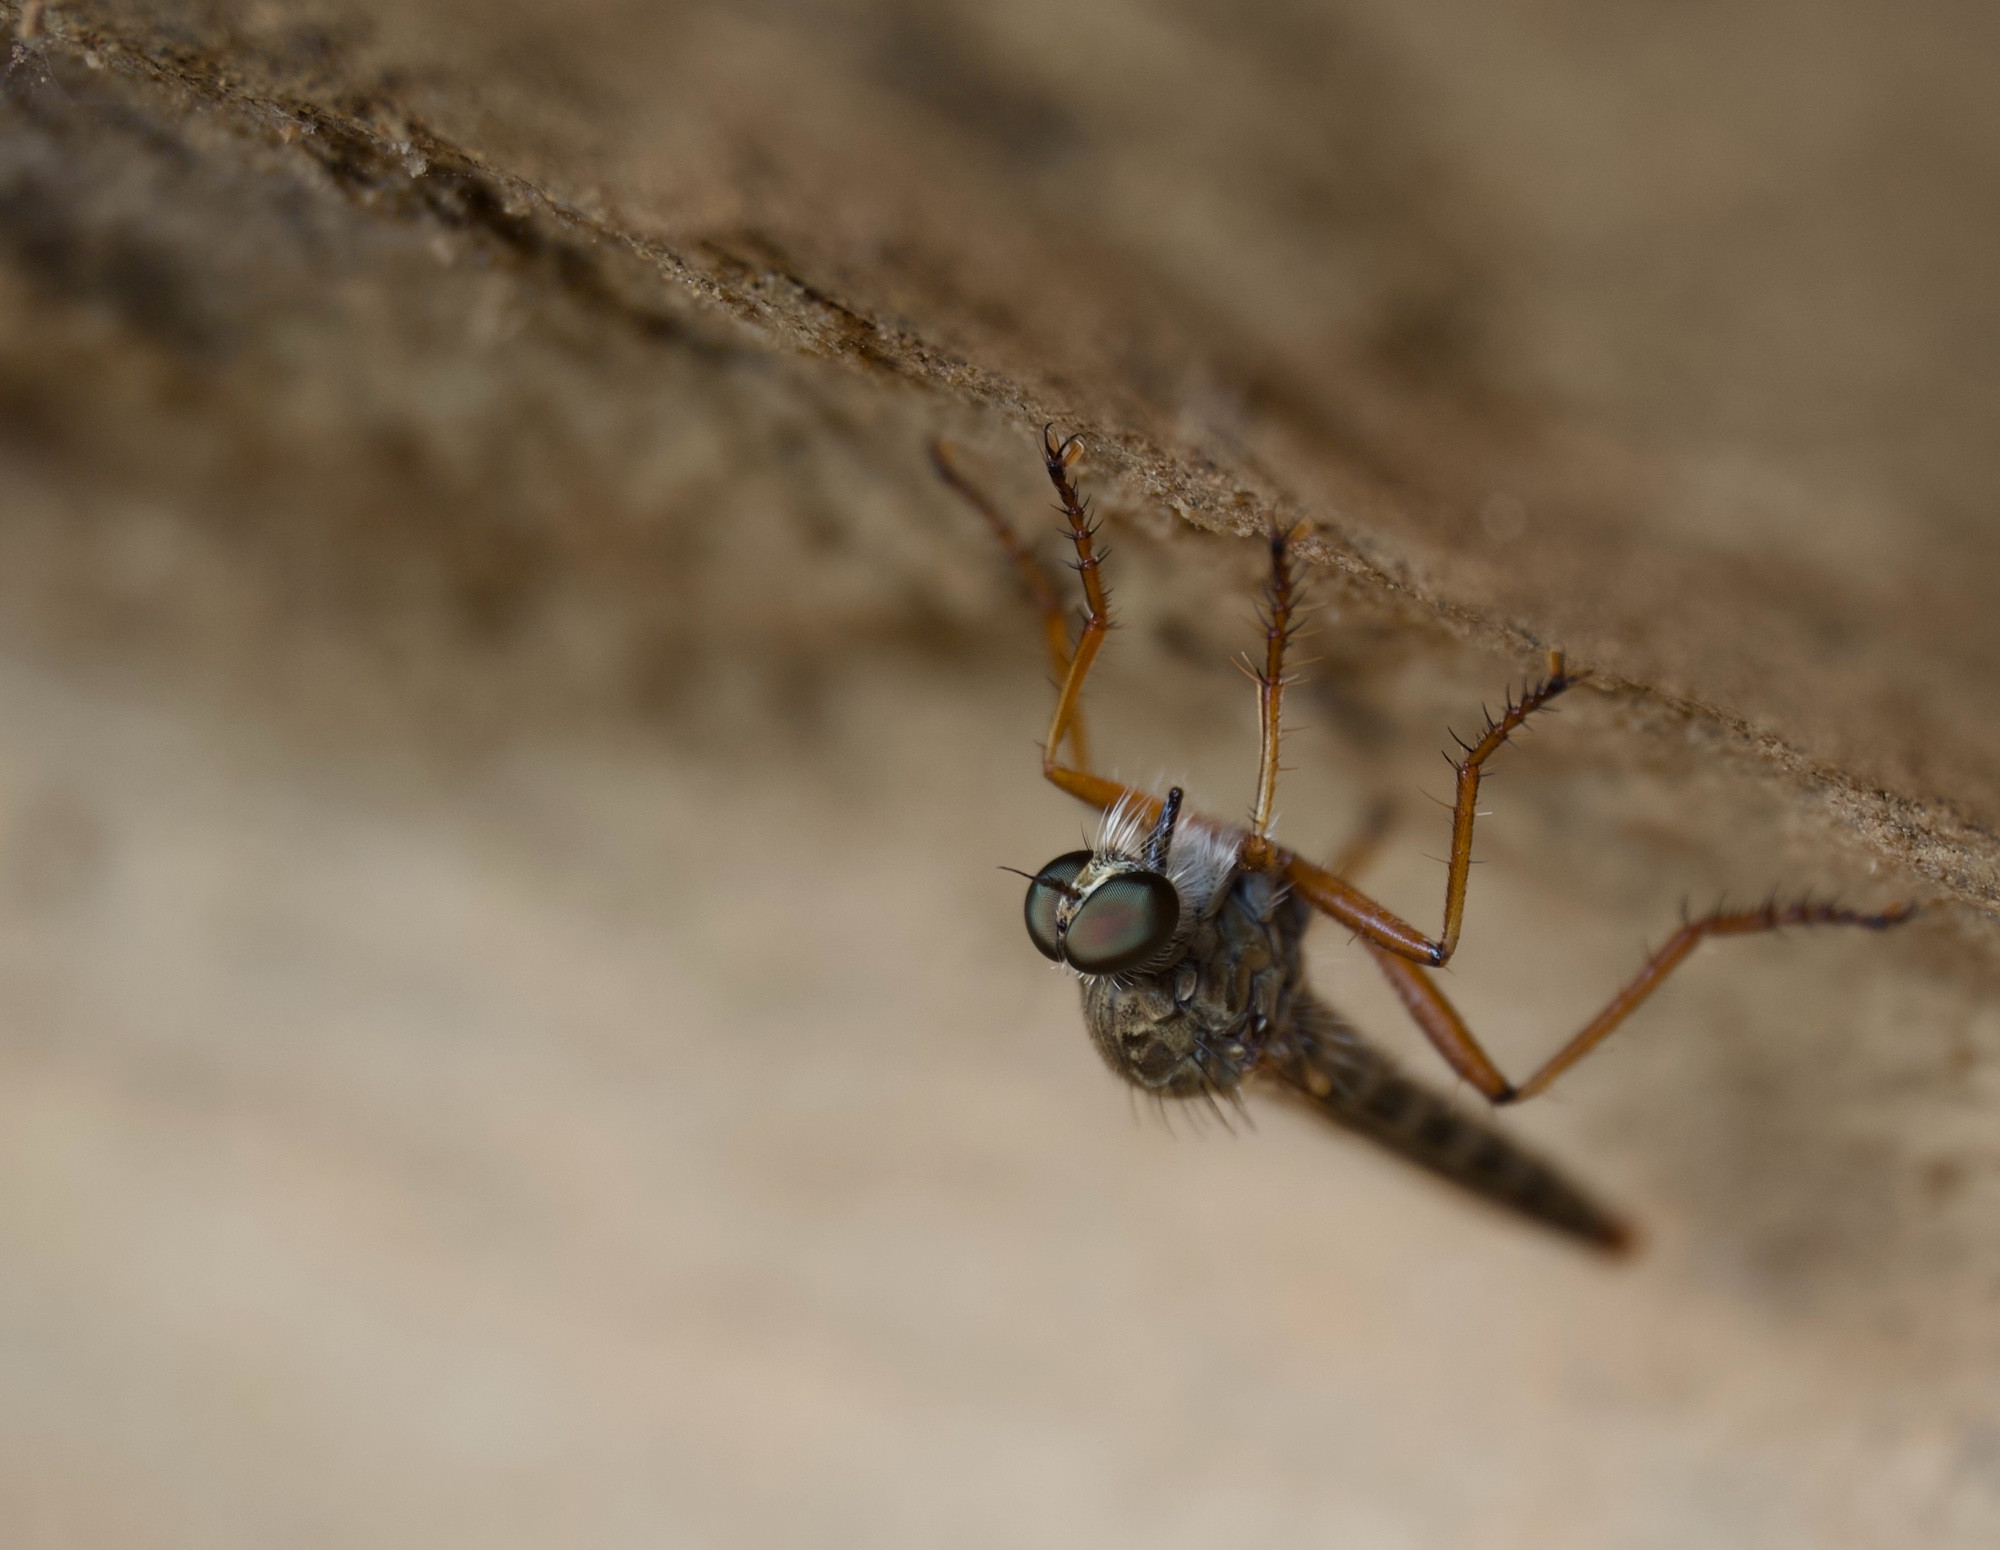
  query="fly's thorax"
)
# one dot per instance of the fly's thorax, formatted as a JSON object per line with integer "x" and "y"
{"x": 1199, "y": 1023}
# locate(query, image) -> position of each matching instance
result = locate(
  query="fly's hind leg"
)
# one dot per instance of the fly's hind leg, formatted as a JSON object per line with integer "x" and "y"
{"x": 1446, "y": 1029}
{"x": 1390, "y": 942}
{"x": 1071, "y": 661}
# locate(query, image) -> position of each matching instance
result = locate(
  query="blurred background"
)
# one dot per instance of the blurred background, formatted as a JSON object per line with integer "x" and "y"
{"x": 511, "y": 1029}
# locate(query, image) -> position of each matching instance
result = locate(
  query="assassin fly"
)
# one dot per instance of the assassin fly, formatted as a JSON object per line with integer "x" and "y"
{"x": 1186, "y": 931}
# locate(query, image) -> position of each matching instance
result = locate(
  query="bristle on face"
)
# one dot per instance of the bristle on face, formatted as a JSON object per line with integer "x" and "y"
{"x": 1199, "y": 862}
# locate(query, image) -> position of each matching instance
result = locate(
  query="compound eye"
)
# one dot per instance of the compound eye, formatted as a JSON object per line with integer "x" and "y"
{"x": 1048, "y": 888}
{"x": 1124, "y": 922}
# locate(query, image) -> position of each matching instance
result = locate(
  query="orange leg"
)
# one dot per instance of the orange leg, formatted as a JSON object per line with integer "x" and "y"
{"x": 1035, "y": 582}
{"x": 1057, "y": 457}
{"x": 1465, "y": 808}
{"x": 1271, "y": 682}
{"x": 1320, "y": 887}
{"x": 1072, "y": 663}
{"x": 1317, "y": 885}
{"x": 1446, "y": 1030}
{"x": 1325, "y": 890}
{"x": 1397, "y": 947}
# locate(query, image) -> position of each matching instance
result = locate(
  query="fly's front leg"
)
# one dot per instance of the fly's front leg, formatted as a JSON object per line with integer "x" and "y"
{"x": 1445, "y": 1028}
{"x": 1058, "y": 457}
{"x": 1281, "y": 603}
{"x": 1035, "y": 581}
{"x": 1070, "y": 662}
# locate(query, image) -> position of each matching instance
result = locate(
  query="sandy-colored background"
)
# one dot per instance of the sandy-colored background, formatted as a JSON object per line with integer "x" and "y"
{"x": 510, "y": 1030}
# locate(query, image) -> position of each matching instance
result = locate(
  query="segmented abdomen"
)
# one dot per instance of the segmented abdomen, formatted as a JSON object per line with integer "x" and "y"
{"x": 1321, "y": 1058}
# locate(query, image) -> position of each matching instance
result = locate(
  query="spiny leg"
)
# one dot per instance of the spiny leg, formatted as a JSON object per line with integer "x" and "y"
{"x": 1035, "y": 581}
{"x": 1326, "y": 891}
{"x": 1281, "y": 603}
{"x": 1375, "y": 925}
{"x": 1465, "y": 808}
{"x": 1072, "y": 663}
{"x": 1445, "y": 1028}
{"x": 1317, "y": 885}
{"x": 1057, "y": 458}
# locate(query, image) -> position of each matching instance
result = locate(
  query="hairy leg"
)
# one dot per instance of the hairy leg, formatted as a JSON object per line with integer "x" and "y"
{"x": 1319, "y": 886}
{"x": 1281, "y": 603}
{"x": 1071, "y": 662}
{"x": 1447, "y": 1031}
{"x": 1057, "y": 457}
{"x": 1035, "y": 581}
{"x": 1466, "y": 805}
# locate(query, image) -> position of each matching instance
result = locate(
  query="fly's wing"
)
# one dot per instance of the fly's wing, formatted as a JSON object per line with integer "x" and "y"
{"x": 1325, "y": 1062}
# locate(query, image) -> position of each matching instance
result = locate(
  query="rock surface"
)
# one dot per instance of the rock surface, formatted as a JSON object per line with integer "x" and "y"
{"x": 508, "y": 1030}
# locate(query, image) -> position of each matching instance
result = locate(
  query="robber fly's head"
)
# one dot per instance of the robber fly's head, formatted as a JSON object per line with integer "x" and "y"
{"x": 1118, "y": 906}
{"x": 1100, "y": 915}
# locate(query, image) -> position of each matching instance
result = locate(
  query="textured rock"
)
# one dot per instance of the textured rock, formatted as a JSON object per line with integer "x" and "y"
{"x": 428, "y": 431}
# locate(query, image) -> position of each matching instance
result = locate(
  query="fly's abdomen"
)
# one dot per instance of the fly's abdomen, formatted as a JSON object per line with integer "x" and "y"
{"x": 1328, "y": 1064}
